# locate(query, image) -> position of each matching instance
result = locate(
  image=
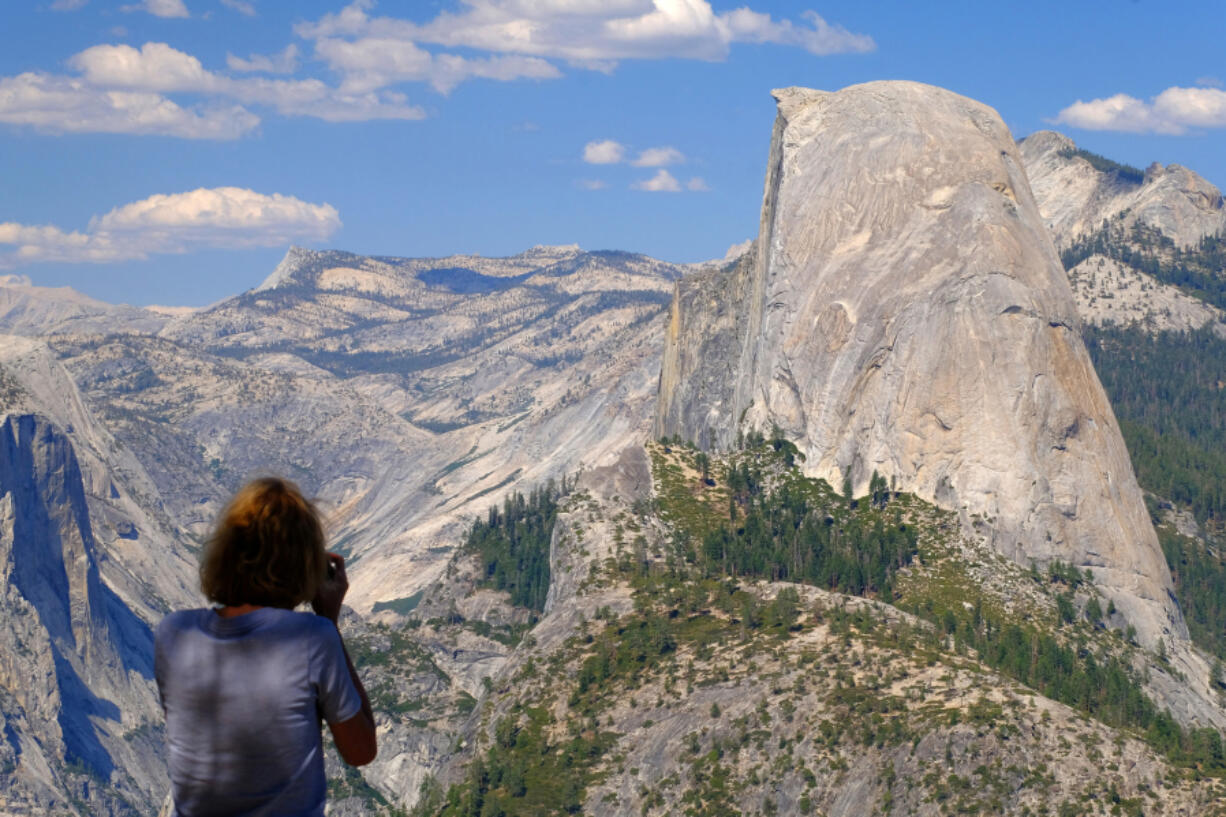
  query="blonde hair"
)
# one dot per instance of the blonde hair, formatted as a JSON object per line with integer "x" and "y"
{"x": 267, "y": 548}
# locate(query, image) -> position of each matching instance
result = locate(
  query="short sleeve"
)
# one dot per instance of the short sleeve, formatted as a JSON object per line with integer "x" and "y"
{"x": 338, "y": 697}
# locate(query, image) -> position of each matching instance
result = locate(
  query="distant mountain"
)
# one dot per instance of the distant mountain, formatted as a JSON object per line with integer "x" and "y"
{"x": 1140, "y": 247}
{"x": 1077, "y": 191}
{"x": 30, "y": 310}
{"x": 400, "y": 391}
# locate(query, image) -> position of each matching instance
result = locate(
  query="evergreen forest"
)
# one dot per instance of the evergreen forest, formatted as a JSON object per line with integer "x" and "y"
{"x": 512, "y": 543}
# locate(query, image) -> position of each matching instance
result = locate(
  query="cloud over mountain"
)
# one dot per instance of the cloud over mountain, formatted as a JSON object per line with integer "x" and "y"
{"x": 222, "y": 217}
{"x": 1174, "y": 111}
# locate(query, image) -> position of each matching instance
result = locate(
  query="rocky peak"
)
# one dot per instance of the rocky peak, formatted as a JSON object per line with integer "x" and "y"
{"x": 905, "y": 313}
{"x": 1048, "y": 141}
{"x": 1077, "y": 191}
{"x": 295, "y": 258}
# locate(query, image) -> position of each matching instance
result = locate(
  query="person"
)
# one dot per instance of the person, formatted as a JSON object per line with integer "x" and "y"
{"x": 245, "y": 684}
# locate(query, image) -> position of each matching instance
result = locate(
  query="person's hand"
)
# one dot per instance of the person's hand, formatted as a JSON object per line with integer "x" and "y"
{"x": 331, "y": 593}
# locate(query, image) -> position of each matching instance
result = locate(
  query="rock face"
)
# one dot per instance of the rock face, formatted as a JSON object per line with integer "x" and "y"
{"x": 75, "y": 662}
{"x": 904, "y": 311}
{"x": 1075, "y": 198}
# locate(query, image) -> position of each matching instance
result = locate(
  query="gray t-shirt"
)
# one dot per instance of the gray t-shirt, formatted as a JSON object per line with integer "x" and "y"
{"x": 243, "y": 697}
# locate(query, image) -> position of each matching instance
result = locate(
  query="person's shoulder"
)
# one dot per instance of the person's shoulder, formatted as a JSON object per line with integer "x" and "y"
{"x": 178, "y": 621}
{"x": 306, "y": 623}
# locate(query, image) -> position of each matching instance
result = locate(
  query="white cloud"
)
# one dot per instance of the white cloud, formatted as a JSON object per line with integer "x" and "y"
{"x": 662, "y": 182}
{"x": 1192, "y": 107}
{"x": 594, "y": 33}
{"x": 820, "y": 38}
{"x": 592, "y": 184}
{"x": 62, "y": 104}
{"x": 697, "y": 184}
{"x": 240, "y": 6}
{"x": 283, "y": 62}
{"x": 68, "y": 5}
{"x": 659, "y": 157}
{"x": 160, "y": 8}
{"x": 223, "y": 217}
{"x": 1173, "y": 111}
{"x": 372, "y": 62}
{"x": 1209, "y": 82}
{"x": 152, "y": 67}
{"x": 604, "y": 152}
{"x": 159, "y": 67}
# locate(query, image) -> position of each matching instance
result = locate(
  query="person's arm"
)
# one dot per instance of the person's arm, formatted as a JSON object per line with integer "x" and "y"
{"x": 355, "y": 738}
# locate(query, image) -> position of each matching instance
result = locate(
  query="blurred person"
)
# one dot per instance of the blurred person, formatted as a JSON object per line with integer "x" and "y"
{"x": 246, "y": 683}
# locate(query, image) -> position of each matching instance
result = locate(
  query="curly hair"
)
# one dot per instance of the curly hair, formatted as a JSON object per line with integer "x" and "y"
{"x": 267, "y": 549}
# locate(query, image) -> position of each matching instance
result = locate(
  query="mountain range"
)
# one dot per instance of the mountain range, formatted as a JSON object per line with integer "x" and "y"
{"x": 410, "y": 395}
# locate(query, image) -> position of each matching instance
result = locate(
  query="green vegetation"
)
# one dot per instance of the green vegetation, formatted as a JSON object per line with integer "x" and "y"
{"x": 793, "y": 532}
{"x": 1096, "y": 681}
{"x": 1102, "y": 164}
{"x": 1167, "y": 391}
{"x": 1200, "y": 583}
{"x": 513, "y": 544}
{"x": 778, "y": 525}
{"x": 528, "y": 770}
{"x": 1197, "y": 271}
{"x": 701, "y": 618}
{"x": 766, "y": 534}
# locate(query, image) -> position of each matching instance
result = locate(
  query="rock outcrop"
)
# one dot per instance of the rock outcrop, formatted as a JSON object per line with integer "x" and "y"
{"x": 1109, "y": 292}
{"x": 76, "y": 669}
{"x": 904, "y": 312}
{"x": 1075, "y": 198}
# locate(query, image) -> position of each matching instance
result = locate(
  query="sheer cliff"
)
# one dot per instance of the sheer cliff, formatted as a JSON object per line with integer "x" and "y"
{"x": 76, "y": 675}
{"x": 904, "y": 312}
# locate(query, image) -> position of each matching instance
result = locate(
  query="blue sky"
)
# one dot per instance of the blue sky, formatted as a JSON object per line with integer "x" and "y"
{"x": 168, "y": 151}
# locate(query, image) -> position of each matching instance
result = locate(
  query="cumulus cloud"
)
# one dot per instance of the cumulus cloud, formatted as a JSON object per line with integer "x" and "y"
{"x": 62, "y": 104}
{"x": 283, "y": 62}
{"x": 592, "y": 184}
{"x": 160, "y": 8}
{"x": 240, "y": 6}
{"x": 159, "y": 67}
{"x": 594, "y": 33}
{"x": 374, "y": 62}
{"x": 659, "y": 157}
{"x": 222, "y": 217}
{"x": 1173, "y": 111}
{"x": 697, "y": 185}
{"x": 603, "y": 152}
{"x": 152, "y": 67}
{"x": 662, "y": 182}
